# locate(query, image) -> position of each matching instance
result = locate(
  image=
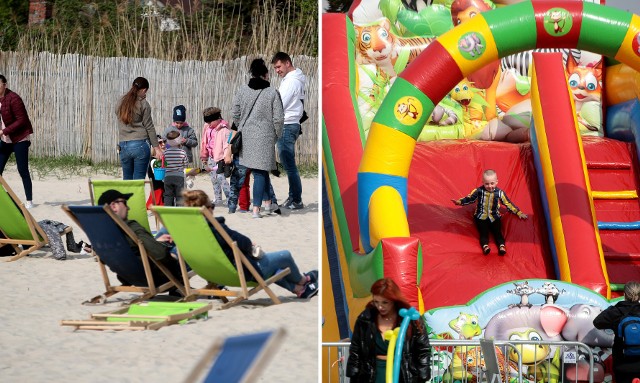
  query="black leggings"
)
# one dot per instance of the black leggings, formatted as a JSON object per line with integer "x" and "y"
{"x": 21, "y": 149}
{"x": 485, "y": 226}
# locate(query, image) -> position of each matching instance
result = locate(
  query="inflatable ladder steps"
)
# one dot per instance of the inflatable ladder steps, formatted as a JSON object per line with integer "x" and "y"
{"x": 631, "y": 225}
{"x": 613, "y": 195}
{"x": 604, "y": 165}
{"x": 634, "y": 257}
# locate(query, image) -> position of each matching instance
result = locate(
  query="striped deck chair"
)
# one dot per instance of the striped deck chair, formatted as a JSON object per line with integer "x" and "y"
{"x": 198, "y": 247}
{"x": 107, "y": 233}
{"x": 240, "y": 359}
{"x": 18, "y": 225}
{"x": 138, "y": 201}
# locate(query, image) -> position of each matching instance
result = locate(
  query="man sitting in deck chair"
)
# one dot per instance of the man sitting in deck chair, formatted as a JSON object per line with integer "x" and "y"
{"x": 157, "y": 248}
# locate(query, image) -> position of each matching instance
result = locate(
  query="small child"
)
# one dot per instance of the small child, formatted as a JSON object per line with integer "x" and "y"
{"x": 158, "y": 186}
{"x": 214, "y": 147}
{"x": 487, "y": 213}
{"x": 175, "y": 161}
{"x": 188, "y": 139}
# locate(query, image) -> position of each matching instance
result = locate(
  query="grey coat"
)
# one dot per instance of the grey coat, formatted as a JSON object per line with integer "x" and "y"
{"x": 261, "y": 129}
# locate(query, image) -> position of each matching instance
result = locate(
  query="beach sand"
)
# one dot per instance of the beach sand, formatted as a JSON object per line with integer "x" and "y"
{"x": 39, "y": 292}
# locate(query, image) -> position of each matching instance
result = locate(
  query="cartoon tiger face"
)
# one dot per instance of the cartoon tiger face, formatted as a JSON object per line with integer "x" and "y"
{"x": 375, "y": 42}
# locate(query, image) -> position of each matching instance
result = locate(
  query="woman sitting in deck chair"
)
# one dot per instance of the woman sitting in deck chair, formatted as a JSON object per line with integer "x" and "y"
{"x": 302, "y": 285}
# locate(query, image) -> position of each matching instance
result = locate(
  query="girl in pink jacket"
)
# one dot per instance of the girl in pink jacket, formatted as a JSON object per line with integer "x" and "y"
{"x": 214, "y": 145}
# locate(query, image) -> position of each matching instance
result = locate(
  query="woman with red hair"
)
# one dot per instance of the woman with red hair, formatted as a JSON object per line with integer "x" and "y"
{"x": 368, "y": 351}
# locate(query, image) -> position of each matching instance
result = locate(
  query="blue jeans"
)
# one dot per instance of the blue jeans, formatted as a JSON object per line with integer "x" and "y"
{"x": 235, "y": 183}
{"x": 270, "y": 263}
{"x": 134, "y": 159}
{"x": 287, "y": 155}
{"x": 261, "y": 186}
{"x": 21, "y": 150}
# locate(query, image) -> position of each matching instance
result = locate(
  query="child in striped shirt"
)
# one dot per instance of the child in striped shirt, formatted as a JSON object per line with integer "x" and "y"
{"x": 175, "y": 161}
{"x": 487, "y": 213}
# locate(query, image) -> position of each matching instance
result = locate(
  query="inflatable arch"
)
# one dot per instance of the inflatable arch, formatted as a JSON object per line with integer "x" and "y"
{"x": 384, "y": 168}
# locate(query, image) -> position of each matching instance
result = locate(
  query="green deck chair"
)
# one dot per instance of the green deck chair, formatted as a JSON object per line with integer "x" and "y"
{"x": 197, "y": 246}
{"x": 137, "y": 203}
{"x": 18, "y": 225}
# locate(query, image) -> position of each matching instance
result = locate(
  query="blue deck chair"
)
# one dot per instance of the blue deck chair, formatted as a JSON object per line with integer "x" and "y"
{"x": 17, "y": 225}
{"x": 137, "y": 203}
{"x": 107, "y": 234}
{"x": 240, "y": 359}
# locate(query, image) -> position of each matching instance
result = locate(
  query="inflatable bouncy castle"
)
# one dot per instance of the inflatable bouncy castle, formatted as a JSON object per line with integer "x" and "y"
{"x": 419, "y": 99}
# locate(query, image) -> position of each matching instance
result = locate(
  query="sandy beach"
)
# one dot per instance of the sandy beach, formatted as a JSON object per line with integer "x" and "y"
{"x": 40, "y": 291}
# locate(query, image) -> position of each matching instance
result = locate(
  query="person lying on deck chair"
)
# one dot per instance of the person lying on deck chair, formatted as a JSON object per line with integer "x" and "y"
{"x": 304, "y": 286}
{"x": 157, "y": 248}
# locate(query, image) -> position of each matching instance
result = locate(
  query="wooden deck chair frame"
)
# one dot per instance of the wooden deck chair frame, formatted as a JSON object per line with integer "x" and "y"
{"x": 148, "y": 291}
{"x": 240, "y": 259}
{"x": 264, "y": 345}
{"x": 103, "y": 321}
{"x": 38, "y": 237}
{"x": 138, "y": 209}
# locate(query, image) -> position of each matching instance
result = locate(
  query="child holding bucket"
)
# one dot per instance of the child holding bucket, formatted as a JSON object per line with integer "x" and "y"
{"x": 175, "y": 160}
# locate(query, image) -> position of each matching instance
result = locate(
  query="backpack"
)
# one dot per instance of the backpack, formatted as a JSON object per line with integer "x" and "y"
{"x": 629, "y": 332}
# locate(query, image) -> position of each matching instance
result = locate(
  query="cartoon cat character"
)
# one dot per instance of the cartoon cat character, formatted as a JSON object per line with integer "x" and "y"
{"x": 586, "y": 85}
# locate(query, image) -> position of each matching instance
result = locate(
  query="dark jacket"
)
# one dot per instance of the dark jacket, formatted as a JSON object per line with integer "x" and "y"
{"x": 610, "y": 319}
{"x": 416, "y": 352}
{"x": 244, "y": 244}
{"x": 15, "y": 117}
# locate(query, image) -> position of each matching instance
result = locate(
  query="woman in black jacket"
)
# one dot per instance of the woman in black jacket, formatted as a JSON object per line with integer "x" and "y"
{"x": 625, "y": 368}
{"x": 368, "y": 351}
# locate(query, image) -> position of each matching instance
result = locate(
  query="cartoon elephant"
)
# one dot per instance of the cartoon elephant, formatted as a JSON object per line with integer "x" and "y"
{"x": 580, "y": 328}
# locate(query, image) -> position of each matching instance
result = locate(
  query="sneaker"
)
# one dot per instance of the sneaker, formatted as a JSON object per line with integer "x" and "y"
{"x": 276, "y": 209}
{"x": 29, "y": 204}
{"x": 295, "y": 205}
{"x": 486, "y": 249}
{"x": 256, "y": 215}
{"x": 189, "y": 182}
{"x": 310, "y": 290}
{"x": 232, "y": 210}
{"x": 242, "y": 211}
{"x": 502, "y": 250}
{"x": 287, "y": 202}
{"x": 312, "y": 276}
{"x": 267, "y": 209}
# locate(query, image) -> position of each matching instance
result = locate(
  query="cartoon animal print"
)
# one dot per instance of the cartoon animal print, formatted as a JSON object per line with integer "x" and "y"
{"x": 473, "y": 111}
{"x": 558, "y": 18}
{"x": 586, "y": 85}
{"x": 377, "y": 45}
{"x": 550, "y": 292}
{"x": 408, "y": 109}
{"x": 523, "y": 290}
{"x": 463, "y": 10}
{"x": 471, "y": 44}
{"x": 535, "y": 357}
{"x": 466, "y": 325}
{"x": 476, "y": 363}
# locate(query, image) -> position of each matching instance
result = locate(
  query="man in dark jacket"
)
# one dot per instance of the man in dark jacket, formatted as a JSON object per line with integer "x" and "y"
{"x": 157, "y": 248}
{"x": 625, "y": 368}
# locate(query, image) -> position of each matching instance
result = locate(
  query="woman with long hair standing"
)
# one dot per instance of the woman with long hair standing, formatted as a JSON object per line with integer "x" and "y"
{"x": 15, "y": 133}
{"x": 136, "y": 132}
{"x": 258, "y": 114}
{"x": 368, "y": 351}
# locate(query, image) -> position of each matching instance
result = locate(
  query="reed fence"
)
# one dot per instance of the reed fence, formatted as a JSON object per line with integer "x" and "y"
{"x": 71, "y": 99}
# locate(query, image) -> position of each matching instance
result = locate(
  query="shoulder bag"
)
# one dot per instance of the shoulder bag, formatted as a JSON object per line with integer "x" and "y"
{"x": 236, "y": 140}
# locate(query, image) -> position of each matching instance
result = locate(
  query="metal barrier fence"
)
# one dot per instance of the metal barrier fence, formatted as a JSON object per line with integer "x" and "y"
{"x": 489, "y": 361}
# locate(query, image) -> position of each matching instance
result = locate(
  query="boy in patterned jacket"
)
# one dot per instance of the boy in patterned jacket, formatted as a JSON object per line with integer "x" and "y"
{"x": 487, "y": 213}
